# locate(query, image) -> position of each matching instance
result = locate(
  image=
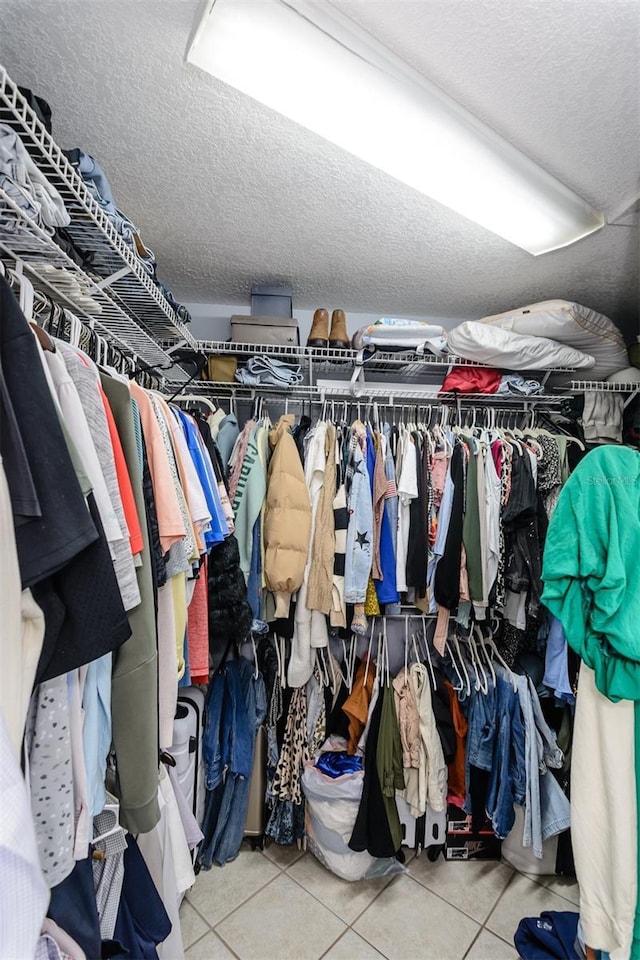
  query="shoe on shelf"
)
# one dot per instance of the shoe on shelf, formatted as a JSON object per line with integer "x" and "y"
{"x": 319, "y": 333}
{"x": 338, "y": 337}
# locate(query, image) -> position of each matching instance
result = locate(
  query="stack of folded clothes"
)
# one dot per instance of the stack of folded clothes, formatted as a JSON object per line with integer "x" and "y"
{"x": 268, "y": 371}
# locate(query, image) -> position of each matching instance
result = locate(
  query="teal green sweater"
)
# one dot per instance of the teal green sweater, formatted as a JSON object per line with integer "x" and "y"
{"x": 591, "y": 568}
{"x": 591, "y": 574}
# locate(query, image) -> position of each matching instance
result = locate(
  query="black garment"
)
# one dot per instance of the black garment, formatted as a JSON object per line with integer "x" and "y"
{"x": 212, "y": 449}
{"x": 142, "y": 921}
{"x": 73, "y": 908}
{"x": 84, "y": 258}
{"x": 479, "y": 781}
{"x": 441, "y": 705}
{"x": 39, "y": 106}
{"x": 337, "y": 720}
{"x": 523, "y": 566}
{"x": 24, "y": 499}
{"x": 299, "y": 432}
{"x": 371, "y": 831}
{"x": 83, "y": 612}
{"x": 230, "y": 616}
{"x": 48, "y": 542}
{"x": 158, "y": 560}
{"x": 446, "y": 584}
{"x": 417, "y": 549}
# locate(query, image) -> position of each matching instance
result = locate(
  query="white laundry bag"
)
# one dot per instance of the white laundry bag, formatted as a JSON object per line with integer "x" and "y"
{"x": 331, "y": 811}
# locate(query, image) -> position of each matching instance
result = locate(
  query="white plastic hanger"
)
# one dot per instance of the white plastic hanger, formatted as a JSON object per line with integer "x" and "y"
{"x": 463, "y": 665}
{"x": 481, "y": 684}
{"x": 483, "y": 650}
{"x": 196, "y": 399}
{"x": 406, "y": 648}
{"x": 385, "y": 647}
{"x": 366, "y": 669}
{"x": 428, "y": 652}
{"x": 461, "y": 685}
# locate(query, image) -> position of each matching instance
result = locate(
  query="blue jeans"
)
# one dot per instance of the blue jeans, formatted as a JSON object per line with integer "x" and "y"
{"x": 211, "y": 745}
{"x": 482, "y": 728}
{"x": 508, "y": 775}
{"x": 226, "y": 809}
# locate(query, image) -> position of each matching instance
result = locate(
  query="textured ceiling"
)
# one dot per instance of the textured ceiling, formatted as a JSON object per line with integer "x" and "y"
{"x": 228, "y": 193}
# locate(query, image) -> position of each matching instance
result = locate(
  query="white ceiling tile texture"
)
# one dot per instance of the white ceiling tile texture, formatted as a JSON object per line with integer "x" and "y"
{"x": 228, "y": 193}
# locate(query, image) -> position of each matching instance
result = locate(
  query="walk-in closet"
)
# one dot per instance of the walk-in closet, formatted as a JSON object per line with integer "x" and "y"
{"x": 319, "y": 480}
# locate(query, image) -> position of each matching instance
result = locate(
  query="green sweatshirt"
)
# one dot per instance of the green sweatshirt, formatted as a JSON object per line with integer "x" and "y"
{"x": 591, "y": 574}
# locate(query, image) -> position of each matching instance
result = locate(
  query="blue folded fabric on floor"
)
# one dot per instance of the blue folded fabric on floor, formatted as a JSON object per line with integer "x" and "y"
{"x": 551, "y": 936}
{"x": 263, "y": 370}
{"x": 337, "y": 764}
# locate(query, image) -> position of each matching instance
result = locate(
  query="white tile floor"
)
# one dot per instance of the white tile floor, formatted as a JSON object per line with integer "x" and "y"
{"x": 280, "y": 904}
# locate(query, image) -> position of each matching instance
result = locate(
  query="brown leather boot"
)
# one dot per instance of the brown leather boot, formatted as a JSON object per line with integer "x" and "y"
{"x": 339, "y": 338}
{"x": 319, "y": 333}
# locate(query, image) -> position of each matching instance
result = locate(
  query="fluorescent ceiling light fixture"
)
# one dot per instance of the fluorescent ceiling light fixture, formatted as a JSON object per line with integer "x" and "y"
{"x": 311, "y": 63}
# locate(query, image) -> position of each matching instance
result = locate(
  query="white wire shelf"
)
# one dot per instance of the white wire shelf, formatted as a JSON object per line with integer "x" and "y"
{"x": 631, "y": 389}
{"x": 410, "y": 363}
{"x": 385, "y": 395}
{"x": 602, "y": 386}
{"x": 57, "y": 276}
{"x": 114, "y": 263}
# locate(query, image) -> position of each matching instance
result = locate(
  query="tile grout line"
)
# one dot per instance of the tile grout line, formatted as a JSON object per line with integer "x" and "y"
{"x": 470, "y": 947}
{"x": 283, "y": 870}
{"x": 495, "y": 906}
{"x": 456, "y": 907}
{"x": 212, "y": 926}
{"x": 330, "y": 909}
{"x": 244, "y": 902}
{"x": 211, "y": 930}
{"x": 537, "y": 879}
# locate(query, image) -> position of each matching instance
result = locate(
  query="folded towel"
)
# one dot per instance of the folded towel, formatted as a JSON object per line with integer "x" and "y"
{"x": 264, "y": 370}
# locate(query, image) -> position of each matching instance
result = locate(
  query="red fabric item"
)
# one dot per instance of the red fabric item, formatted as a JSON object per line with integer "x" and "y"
{"x": 472, "y": 380}
{"x": 198, "y": 628}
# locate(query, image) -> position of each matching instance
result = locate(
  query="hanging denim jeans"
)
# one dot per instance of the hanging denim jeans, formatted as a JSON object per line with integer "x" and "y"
{"x": 244, "y": 710}
{"x": 547, "y": 810}
{"x": 508, "y": 775}
{"x": 211, "y": 744}
{"x": 481, "y": 737}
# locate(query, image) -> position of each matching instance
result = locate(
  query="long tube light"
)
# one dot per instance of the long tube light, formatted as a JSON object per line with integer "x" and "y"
{"x": 312, "y": 64}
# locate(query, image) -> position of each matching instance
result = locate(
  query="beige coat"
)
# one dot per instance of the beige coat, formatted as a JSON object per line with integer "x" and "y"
{"x": 287, "y": 521}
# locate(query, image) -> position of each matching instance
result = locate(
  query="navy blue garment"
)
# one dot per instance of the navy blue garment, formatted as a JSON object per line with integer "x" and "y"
{"x": 551, "y": 936}
{"x": 337, "y": 764}
{"x": 142, "y": 921}
{"x": 73, "y": 907}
